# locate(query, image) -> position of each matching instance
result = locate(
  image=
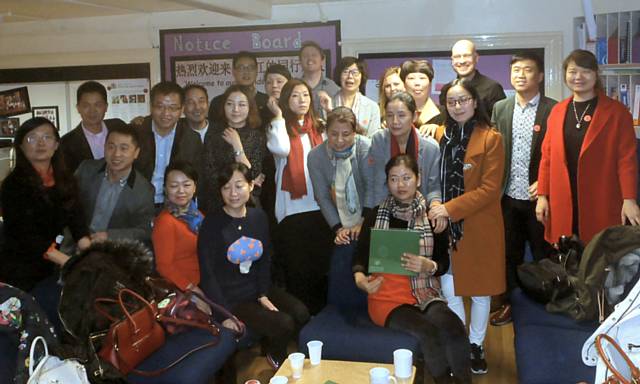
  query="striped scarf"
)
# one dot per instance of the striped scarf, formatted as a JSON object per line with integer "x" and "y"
{"x": 424, "y": 287}
{"x": 453, "y": 148}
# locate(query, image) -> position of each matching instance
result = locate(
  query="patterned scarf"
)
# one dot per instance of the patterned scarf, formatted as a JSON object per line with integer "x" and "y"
{"x": 412, "y": 145}
{"x": 346, "y": 193}
{"x": 192, "y": 217}
{"x": 424, "y": 287}
{"x": 453, "y": 148}
{"x": 293, "y": 179}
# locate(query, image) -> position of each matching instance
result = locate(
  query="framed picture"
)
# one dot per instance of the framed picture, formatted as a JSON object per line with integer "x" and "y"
{"x": 50, "y": 113}
{"x": 14, "y": 102}
{"x": 9, "y": 126}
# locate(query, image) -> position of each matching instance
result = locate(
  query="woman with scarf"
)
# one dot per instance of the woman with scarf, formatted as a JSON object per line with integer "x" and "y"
{"x": 235, "y": 137}
{"x": 302, "y": 260}
{"x": 235, "y": 250}
{"x": 414, "y": 304}
{"x": 351, "y": 74}
{"x": 175, "y": 230}
{"x": 338, "y": 169}
{"x": 402, "y": 137}
{"x": 471, "y": 170}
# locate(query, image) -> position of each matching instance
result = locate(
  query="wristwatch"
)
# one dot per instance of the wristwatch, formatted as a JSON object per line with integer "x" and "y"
{"x": 238, "y": 153}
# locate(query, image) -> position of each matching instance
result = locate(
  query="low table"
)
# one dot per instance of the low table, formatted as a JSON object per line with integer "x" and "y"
{"x": 340, "y": 372}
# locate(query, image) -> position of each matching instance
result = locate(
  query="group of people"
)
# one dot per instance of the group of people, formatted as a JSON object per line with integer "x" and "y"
{"x": 244, "y": 197}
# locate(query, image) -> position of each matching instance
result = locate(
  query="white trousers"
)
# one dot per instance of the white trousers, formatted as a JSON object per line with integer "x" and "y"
{"x": 480, "y": 308}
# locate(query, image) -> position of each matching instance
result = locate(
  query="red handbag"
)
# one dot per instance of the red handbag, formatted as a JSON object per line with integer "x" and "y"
{"x": 131, "y": 340}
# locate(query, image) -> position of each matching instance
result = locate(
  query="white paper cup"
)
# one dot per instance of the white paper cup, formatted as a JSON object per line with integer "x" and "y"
{"x": 315, "y": 351}
{"x": 279, "y": 380}
{"x": 402, "y": 363}
{"x": 381, "y": 375}
{"x": 296, "y": 360}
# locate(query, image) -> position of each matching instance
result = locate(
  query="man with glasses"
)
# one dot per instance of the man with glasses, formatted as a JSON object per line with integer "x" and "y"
{"x": 245, "y": 72}
{"x": 164, "y": 138}
{"x": 522, "y": 120}
{"x": 86, "y": 141}
{"x": 464, "y": 59}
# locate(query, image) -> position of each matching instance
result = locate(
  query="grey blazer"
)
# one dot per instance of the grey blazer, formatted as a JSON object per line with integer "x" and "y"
{"x": 134, "y": 212}
{"x": 428, "y": 161}
{"x": 322, "y": 171}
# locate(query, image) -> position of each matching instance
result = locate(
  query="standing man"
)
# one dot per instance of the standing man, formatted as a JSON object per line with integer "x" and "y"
{"x": 245, "y": 72}
{"x": 163, "y": 138}
{"x": 522, "y": 120}
{"x": 464, "y": 59}
{"x": 118, "y": 200}
{"x": 196, "y": 107}
{"x": 313, "y": 60}
{"x": 86, "y": 141}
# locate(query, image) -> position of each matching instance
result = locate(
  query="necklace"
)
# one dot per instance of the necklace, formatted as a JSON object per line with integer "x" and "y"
{"x": 575, "y": 112}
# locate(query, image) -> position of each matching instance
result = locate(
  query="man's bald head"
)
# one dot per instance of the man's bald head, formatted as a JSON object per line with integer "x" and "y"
{"x": 464, "y": 58}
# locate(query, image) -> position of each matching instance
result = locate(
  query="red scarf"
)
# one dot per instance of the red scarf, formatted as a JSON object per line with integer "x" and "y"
{"x": 412, "y": 145}
{"x": 293, "y": 179}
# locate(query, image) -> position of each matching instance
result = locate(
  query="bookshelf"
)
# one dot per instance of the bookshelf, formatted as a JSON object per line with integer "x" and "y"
{"x": 617, "y": 47}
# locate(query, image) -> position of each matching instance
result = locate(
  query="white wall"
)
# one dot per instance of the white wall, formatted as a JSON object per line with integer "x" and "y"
{"x": 127, "y": 39}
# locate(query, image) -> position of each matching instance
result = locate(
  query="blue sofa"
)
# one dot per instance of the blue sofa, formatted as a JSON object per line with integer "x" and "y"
{"x": 344, "y": 325}
{"x": 548, "y": 346}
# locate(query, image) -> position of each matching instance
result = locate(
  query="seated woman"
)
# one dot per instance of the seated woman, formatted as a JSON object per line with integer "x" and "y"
{"x": 339, "y": 170}
{"x": 414, "y": 304}
{"x": 39, "y": 199}
{"x": 234, "y": 251}
{"x": 175, "y": 230}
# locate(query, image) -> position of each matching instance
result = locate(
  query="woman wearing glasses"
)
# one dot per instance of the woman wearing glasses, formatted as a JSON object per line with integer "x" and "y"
{"x": 351, "y": 74}
{"x": 235, "y": 137}
{"x": 588, "y": 176}
{"x": 471, "y": 170}
{"x": 39, "y": 199}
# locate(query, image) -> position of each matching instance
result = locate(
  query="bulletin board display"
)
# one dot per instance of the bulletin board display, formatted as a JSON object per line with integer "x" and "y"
{"x": 203, "y": 55}
{"x": 494, "y": 64}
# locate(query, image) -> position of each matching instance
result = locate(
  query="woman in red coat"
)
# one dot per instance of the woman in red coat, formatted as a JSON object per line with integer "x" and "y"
{"x": 588, "y": 176}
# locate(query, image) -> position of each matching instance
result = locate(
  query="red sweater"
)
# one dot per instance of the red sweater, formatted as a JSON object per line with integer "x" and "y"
{"x": 176, "y": 250}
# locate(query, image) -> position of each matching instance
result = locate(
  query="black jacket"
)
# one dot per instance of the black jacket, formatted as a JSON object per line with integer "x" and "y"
{"x": 75, "y": 147}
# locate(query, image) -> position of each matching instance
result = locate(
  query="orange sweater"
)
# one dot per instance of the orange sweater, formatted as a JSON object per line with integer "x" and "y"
{"x": 176, "y": 250}
{"x": 394, "y": 292}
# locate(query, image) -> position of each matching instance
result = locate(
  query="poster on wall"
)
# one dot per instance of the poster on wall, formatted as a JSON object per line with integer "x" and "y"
{"x": 50, "y": 113}
{"x": 14, "y": 102}
{"x": 493, "y": 63}
{"x": 203, "y": 55}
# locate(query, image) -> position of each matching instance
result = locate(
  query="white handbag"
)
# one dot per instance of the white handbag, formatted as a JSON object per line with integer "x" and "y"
{"x": 52, "y": 370}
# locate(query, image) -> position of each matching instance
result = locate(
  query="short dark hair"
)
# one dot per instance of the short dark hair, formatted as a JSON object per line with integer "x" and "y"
{"x": 313, "y": 44}
{"x": 253, "y": 119}
{"x": 406, "y": 99}
{"x": 226, "y": 173}
{"x": 416, "y": 66}
{"x": 527, "y": 55}
{"x": 403, "y": 159}
{"x": 278, "y": 69}
{"x": 119, "y": 126}
{"x": 241, "y": 55}
{"x": 480, "y": 114}
{"x": 196, "y": 86}
{"x": 342, "y": 115}
{"x": 584, "y": 59}
{"x": 345, "y": 63}
{"x": 91, "y": 87}
{"x": 183, "y": 166}
{"x": 167, "y": 88}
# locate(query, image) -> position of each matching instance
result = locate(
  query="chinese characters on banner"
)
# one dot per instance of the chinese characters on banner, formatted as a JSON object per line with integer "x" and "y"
{"x": 203, "y": 55}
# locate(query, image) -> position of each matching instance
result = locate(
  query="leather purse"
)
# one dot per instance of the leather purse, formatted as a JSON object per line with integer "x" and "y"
{"x": 51, "y": 369}
{"x": 131, "y": 340}
{"x": 616, "y": 377}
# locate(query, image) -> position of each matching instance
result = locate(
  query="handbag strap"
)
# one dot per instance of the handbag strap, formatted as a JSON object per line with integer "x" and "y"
{"x": 635, "y": 372}
{"x": 224, "y": 311}
{"x": 32, "y": 352}
{"x": 210, "y": 327}
{"x": 150, "y": 309}
{"x": 160, "y": 371}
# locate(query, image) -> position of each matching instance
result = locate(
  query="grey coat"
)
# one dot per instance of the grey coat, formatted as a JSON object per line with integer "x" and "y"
{"x": 133, "y": 214}
{"x": 428, "y": 161}
{"x": 322, "y": 171}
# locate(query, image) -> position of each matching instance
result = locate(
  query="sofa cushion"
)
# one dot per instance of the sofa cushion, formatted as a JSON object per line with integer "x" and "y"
{"x": 526, "y": 311}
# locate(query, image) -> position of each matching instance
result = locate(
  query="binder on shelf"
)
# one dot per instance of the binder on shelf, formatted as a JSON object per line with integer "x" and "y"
{"x": 601, "y": 50}
{"x": 624, "y": 94}
{"x": 612, "y": 48}
{"x": 636, "y": 106}
{"x": 625, "y": 47}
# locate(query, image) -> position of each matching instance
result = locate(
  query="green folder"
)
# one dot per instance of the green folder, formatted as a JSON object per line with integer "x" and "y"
{"x": 387, "y": 246}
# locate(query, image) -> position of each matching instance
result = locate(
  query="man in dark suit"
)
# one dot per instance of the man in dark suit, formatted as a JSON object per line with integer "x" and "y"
{"x": 164, "y": 138}
{"x": 117, "y": 199}
{"x": 522, "y": 120}
{"x": 86, "y": 141}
